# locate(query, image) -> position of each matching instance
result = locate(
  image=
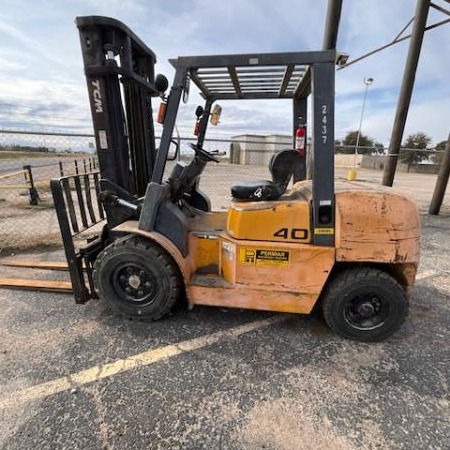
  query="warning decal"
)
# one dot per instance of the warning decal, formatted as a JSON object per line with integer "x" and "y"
{"x": 323, "y": 230}
{"x": 260, "y": 257}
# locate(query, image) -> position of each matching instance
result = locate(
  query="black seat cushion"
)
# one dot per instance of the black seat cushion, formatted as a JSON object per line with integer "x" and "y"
{"x": 257, "y": 190}
{"x": 281, "y": 166}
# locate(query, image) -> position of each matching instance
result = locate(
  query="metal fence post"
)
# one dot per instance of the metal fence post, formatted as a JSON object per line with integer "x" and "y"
{"x": 61, "y": 169}
{"x": 32, "y": 192}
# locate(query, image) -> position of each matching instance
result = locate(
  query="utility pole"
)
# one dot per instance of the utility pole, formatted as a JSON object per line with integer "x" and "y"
{"x": 441, "y": 182}
{"x": 409, "y": 75}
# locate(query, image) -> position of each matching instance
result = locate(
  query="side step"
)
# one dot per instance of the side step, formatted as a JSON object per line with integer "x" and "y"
{"x": 210, "y": 280}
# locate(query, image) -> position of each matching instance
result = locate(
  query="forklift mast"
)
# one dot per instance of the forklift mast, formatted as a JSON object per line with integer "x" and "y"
{"x": 120, "y": 77}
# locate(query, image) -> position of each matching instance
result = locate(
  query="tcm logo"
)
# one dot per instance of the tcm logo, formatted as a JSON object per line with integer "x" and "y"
{"x": 97, "y": 95}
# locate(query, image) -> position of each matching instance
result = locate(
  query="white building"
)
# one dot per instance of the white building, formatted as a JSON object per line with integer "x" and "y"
{"x": 257, "y": 149}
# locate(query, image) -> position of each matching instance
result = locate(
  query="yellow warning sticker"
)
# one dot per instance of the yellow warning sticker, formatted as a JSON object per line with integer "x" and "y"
{"x": 323, "y": 230}
{"x": 261, "y": 257}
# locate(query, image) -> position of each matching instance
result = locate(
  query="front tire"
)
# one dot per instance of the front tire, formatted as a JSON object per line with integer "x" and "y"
{"x": 137, "y": 278}
{"x": 364, "y": 304}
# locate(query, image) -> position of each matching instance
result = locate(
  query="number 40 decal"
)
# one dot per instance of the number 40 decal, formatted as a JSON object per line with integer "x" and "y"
{"x": 293, "y": 233}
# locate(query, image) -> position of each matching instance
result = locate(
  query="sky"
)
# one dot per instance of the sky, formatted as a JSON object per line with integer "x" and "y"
{"x": 42, "y": 84}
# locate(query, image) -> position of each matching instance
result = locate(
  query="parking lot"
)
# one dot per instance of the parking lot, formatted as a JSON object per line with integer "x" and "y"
{"x": 80, "y": 377}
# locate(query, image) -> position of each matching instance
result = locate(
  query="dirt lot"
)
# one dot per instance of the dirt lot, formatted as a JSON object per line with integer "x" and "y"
{"x": 79, "y": 377}
{"x": 23, "y": 226}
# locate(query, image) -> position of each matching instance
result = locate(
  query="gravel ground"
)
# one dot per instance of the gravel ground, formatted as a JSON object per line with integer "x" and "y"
{"x": 227, "y": 379}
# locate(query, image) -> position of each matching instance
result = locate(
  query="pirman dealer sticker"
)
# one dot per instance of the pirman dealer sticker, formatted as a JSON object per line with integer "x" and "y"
{"x": 260, "y": 257}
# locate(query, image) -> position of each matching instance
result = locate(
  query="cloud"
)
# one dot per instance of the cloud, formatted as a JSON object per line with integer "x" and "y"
{"x": 25, "y": 40}
{"x": 42, "y": 67}
{"x": 131, "y": 7}
{"x": 47, "y": 103}
{"x": 10, "y": 65}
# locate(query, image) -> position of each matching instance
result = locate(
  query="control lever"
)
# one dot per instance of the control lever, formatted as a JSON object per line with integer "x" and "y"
{"x": 112, "y": 199}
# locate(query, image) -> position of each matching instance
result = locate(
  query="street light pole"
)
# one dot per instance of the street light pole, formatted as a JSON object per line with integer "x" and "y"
{"x": 367, "y": 81}
{"x": 351, "y": 176}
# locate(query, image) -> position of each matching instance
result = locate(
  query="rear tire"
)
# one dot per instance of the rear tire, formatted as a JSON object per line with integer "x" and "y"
{"x": 364, "y": 304}
{"x": 137, "y": 278}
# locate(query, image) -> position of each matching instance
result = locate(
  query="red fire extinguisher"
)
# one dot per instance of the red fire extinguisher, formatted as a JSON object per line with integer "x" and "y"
{"x": 197, "y": 127}
{"x": 300, "y": 139}
{"x": 161, "y": 115}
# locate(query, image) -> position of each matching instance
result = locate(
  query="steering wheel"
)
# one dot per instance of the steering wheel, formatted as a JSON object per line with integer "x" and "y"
{"x": 201, "y": 152}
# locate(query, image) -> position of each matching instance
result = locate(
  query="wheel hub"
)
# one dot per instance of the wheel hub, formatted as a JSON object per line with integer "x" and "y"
{"x": 137, "y": 284}
{"x": 134, "y": 281}
{"x": 366, "y": 309}
{"x": 365, "y": 312}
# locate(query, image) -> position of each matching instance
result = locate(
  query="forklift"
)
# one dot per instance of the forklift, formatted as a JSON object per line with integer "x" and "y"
{"x": 347, "y": 248}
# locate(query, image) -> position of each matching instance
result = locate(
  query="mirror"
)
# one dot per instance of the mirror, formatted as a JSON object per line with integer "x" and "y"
{"x": 215, "y": 115}
{"x": 199, "y": 112}
{"x": 173, "y": 150}
{"x": 161, "y": 83}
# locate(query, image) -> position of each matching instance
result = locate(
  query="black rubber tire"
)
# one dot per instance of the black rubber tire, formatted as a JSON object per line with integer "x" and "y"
{"x": 364, "y": 304}
{"x": 137, "y": 278}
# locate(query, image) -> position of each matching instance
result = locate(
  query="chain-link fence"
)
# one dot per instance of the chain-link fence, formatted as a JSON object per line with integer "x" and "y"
{"x": 28, "y": 160}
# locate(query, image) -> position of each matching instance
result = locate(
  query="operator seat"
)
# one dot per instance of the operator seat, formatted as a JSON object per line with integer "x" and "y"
{"x": 281, "y": 167}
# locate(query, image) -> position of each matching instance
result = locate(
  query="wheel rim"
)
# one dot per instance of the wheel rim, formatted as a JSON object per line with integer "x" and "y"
{"x": 366, "y": 312}
{"x": 134, "y": 283}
